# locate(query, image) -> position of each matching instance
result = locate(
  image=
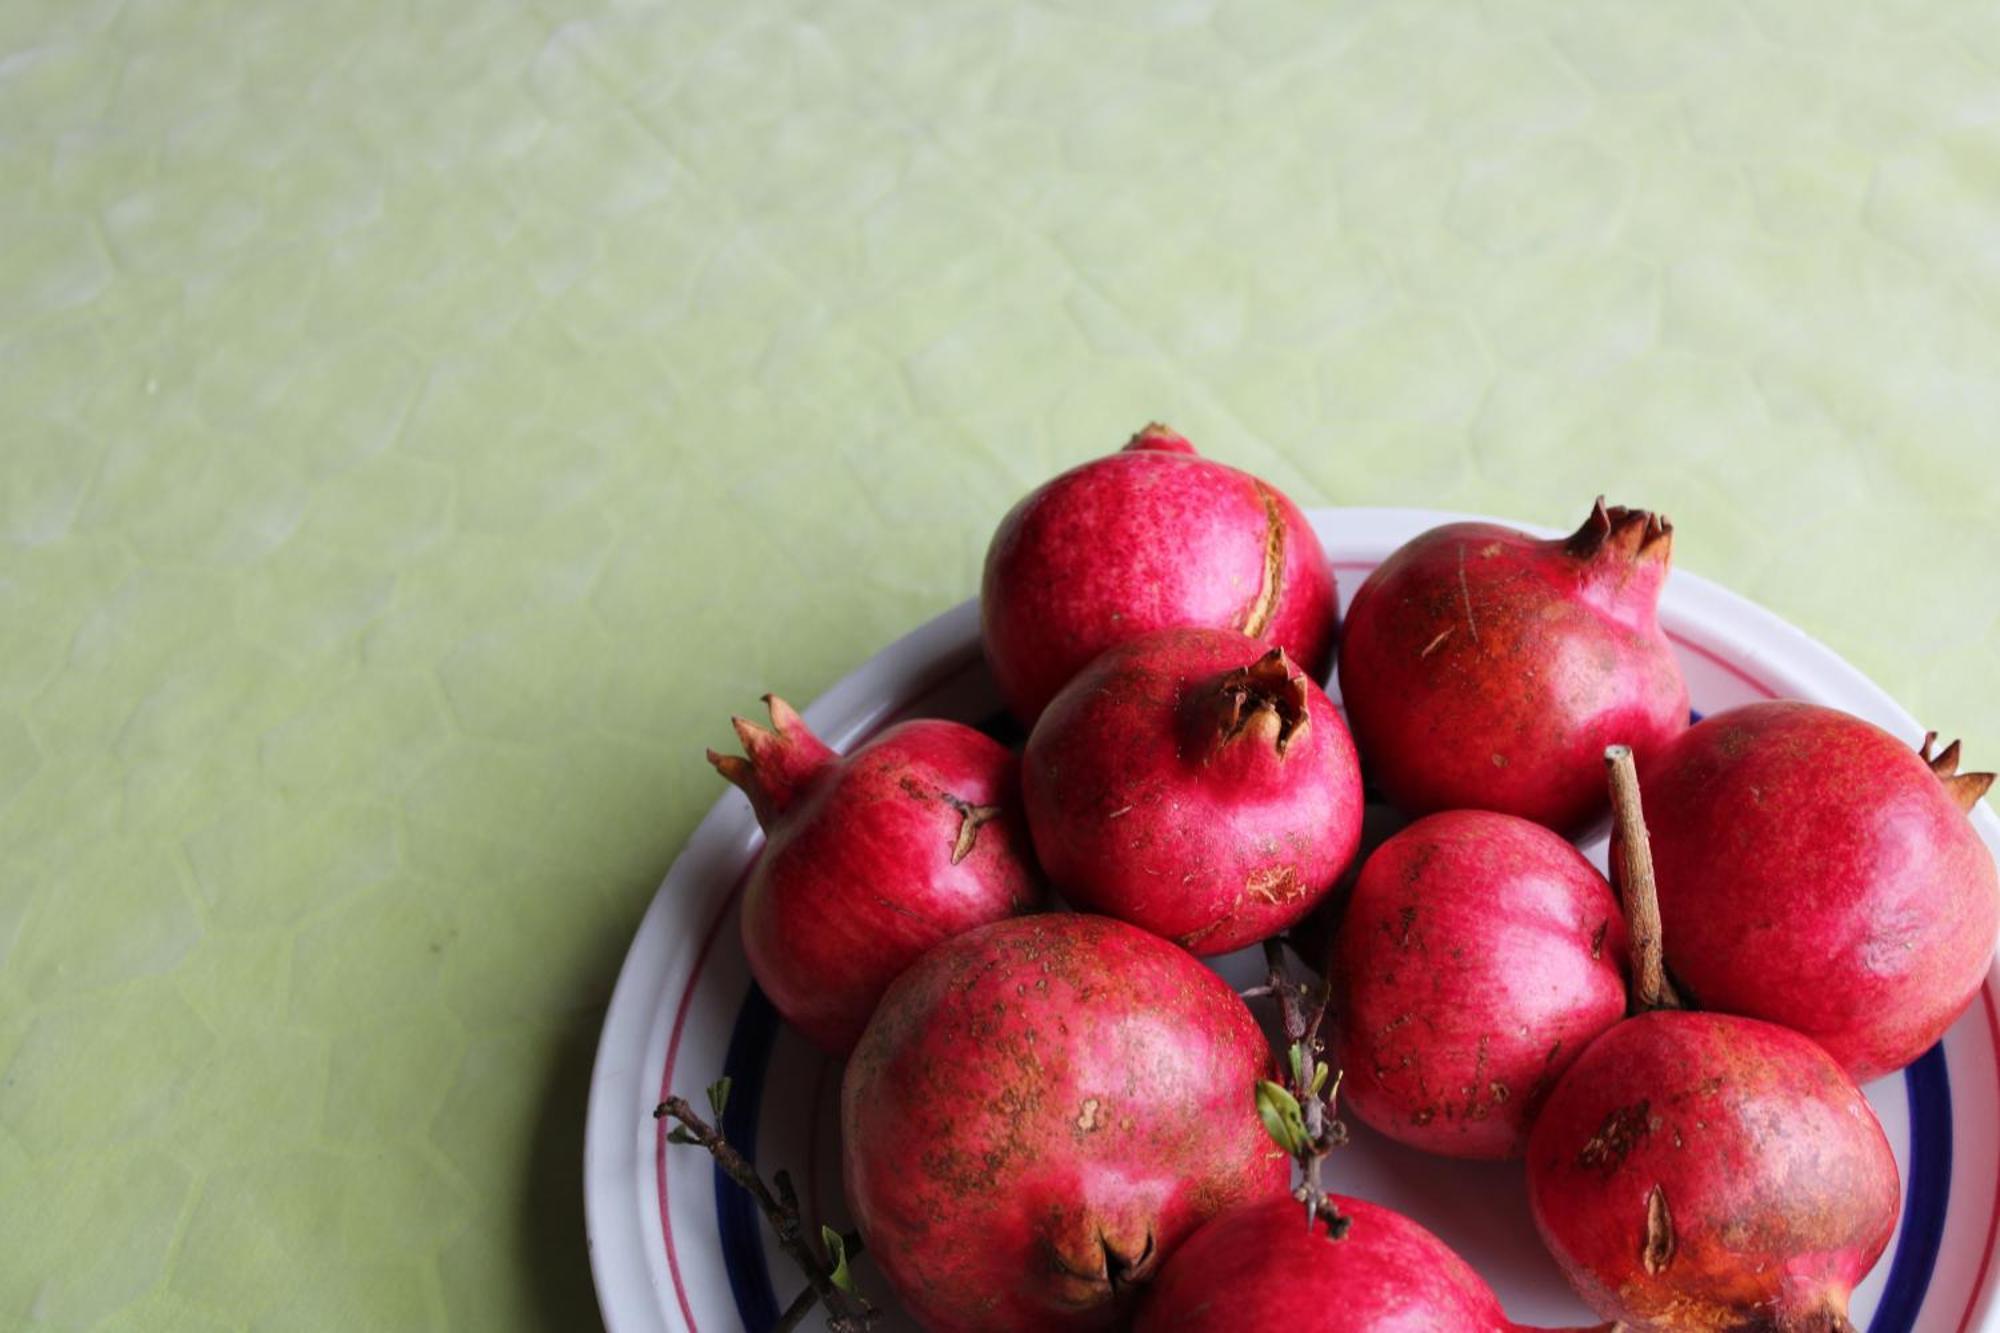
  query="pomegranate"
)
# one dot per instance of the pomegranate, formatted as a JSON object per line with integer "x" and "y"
{"x": 1485, "y": 669}
{"x": 871, "y": 859}
{"x": 1038, "y": 1114}
{"x": 1258, "y": 1266}
{"x": 1197, "y": 784}
{"x": 1698, "y": 1172}
{"x": 1480, "y": 954}
{"x": 1150, "y": 537}
{"x": 1817, "y": 872}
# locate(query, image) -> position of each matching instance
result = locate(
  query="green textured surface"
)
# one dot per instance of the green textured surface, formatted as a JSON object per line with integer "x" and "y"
{"x": 423, "y": 424}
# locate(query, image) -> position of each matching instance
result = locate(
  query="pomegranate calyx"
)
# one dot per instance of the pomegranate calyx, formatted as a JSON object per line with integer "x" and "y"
{"x": 1104, "y": 1264}
{"x": 1160, "y": 439}
{"x": 970, "y": 818}
{"x": 780, "y": 760}
{"x": 1266, "y": 701}
{"x": 1964, "y": 788}
{"x": 1615, "y": 531}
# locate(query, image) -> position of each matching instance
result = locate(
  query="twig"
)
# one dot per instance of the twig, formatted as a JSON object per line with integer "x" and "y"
{"x": 846, "y": 1311}
{"x": 1650, "y": 987}
{"x": 1299, "y": 1111}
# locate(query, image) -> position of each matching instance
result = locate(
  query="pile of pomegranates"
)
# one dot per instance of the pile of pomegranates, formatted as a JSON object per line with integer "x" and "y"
{"x": 1056, "y": 1117}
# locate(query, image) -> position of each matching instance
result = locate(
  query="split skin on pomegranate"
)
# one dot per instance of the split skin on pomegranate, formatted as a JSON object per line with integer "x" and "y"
{"x": 1152, "y": 537}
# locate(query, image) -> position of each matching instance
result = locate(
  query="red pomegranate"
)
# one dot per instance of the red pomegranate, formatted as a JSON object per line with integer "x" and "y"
{"x": 1708, "y": 1174}
{"x": 1195, "y": 783}
{"x": 1259, "y": 1266}
{"x": 1817, "y": 872}
{"x": 1482, "y": 668}
{"x": 1151, "y": 537}
{"x": 871, "y": 859}
{"x": 1479, "y": 956}
{"x": 1040, "y": 1111}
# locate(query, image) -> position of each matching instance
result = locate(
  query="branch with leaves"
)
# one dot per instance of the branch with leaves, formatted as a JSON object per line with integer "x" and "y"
{"x": 1298, "y": 1112}
{"x": 828, "y": 1278}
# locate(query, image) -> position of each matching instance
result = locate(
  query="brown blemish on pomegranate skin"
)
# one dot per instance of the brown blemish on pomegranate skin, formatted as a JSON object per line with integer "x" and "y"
{"x": 1621, "y": 1131}
{"x": 1275, "y": 884}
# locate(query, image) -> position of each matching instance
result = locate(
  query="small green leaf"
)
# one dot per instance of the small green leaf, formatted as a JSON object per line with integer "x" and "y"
{"x": 1279, "y": 1111}
{"x": 837, "y": 1247}
{"x": 718, "y": 1096}
{"x": 1297, "y": 1054}
{"x": 1319, "y": 1078}
{"x": 681, "y": 1134}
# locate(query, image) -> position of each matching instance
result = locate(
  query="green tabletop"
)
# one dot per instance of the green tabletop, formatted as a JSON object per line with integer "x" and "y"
{"x": 421, "y": 425}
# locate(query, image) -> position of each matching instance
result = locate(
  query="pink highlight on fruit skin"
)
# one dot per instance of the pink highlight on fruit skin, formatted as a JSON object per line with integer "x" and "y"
{"x": 1260, "y": 1267}
{"x": 1704, "y": 1172}
{"x": 1195, "y": 783}
{"x": 871, "y": 859}
{"x": 1040, "y": 1112}
{"x": 1817, "y": 872}
{"x": 1151, "y": 537}
{"x": 1480, "y": 954}
{"x": 1485, "y": 669}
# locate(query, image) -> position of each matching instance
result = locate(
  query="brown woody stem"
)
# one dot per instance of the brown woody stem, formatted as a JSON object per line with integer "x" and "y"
{"x": 846, "y": 1311}
{"x": 1650, "y": 987}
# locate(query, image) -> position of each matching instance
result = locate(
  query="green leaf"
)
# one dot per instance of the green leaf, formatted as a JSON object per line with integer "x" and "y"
{"x": 1297, "y": 1054}
{"x": 1279, "y": 1111}
{"x": 718, "y": 1096}
{"x": 681, "y": 1134}
{"x": 837, "y": 1247}
{"x": 1319, "y": 1078}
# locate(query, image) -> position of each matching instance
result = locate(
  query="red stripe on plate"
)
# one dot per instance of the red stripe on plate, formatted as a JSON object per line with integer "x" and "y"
{"x": 1993, "y": 1225}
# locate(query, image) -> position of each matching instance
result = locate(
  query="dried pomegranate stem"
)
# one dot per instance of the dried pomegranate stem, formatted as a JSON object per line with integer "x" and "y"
{"x": 1650, "y": 987}
{"x": 846, "y": 1311}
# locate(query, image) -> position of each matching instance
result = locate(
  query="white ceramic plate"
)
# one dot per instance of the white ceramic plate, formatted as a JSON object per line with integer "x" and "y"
{"x": 674, "y": 1245}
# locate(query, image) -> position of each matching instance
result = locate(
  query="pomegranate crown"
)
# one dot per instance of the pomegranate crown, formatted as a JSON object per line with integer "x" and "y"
{"x": 1160, "y": 440}
{"x": 1965, "y": 789}
{"x": 1267, "y": 699}
{"x": 780, "y": 760}
{"x": 1634, "y": 533}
